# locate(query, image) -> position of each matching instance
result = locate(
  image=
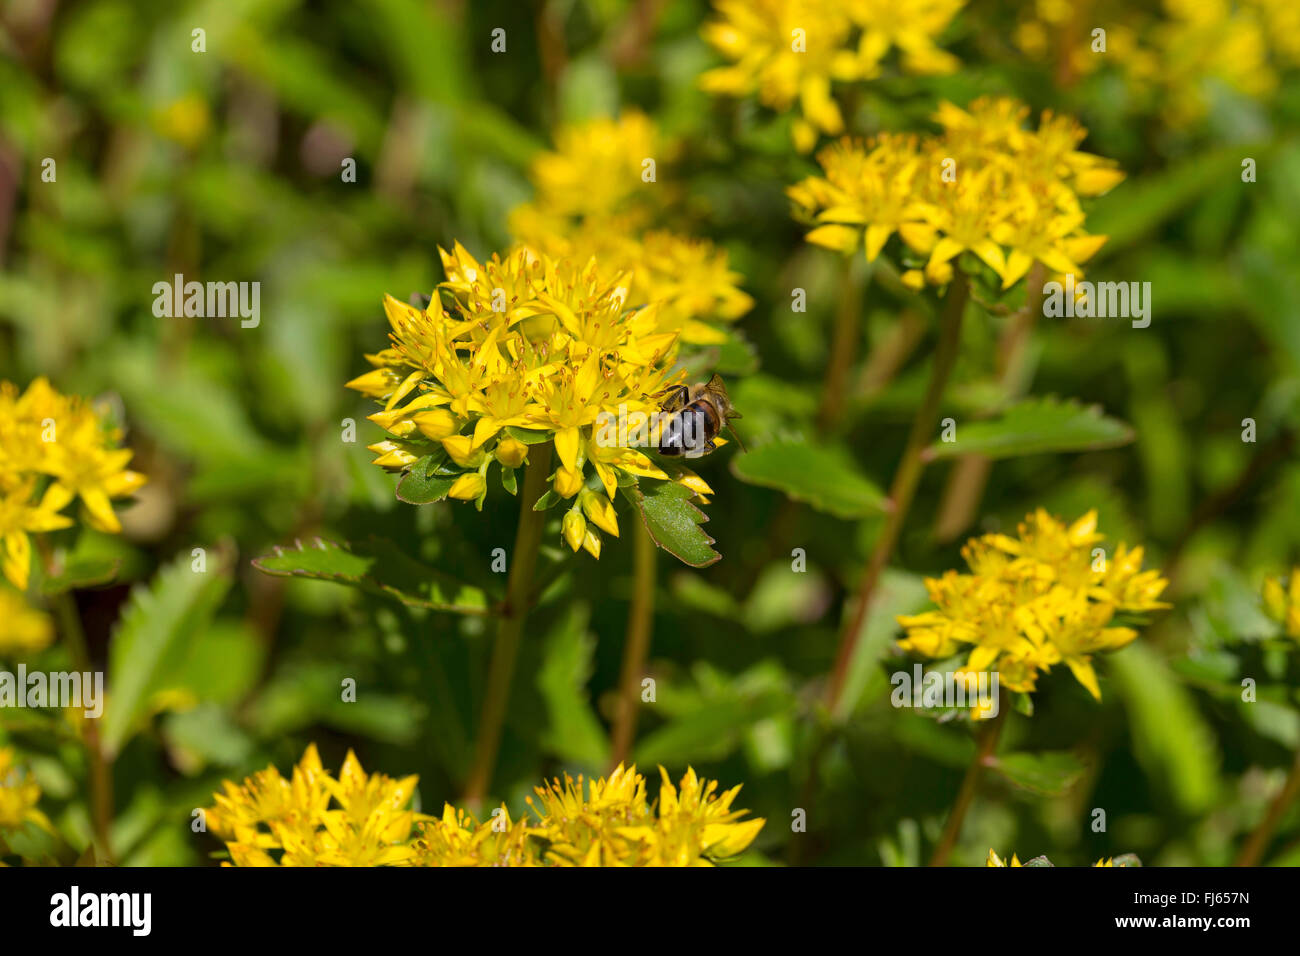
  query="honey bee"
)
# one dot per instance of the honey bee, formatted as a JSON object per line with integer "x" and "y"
{"x": 698, "y": 413}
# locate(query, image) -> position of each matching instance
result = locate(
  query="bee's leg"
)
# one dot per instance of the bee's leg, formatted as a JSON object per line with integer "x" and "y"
{"x": 676, "y": 398}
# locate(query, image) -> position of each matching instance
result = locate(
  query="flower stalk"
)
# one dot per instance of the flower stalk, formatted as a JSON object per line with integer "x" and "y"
{"x": 988, "y": 742}
{"x": 903, "y": 488}
{"x": 1253, "y": 851}
{"x": 514, "y": 612}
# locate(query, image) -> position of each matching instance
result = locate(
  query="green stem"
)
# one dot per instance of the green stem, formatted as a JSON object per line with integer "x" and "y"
{"x": 1254, "y": 849}
{"x": 514, "y": 612}
{"x": 844, "y": 346}
{"x": 640, "y": 619}
{"x": 969, "y": 785}
{"x": 101, "y": 777}
{"x": 903, "y": 489}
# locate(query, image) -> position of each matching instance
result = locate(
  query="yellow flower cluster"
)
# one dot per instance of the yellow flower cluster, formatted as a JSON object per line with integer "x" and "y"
{"x": 1169, "y": 55}
{"x": 610, "y": 822}
{"x": 1046, "y": 597}
{"x": 790, "y": 51}
{"x": 1283, "y": 603}
{"x": 54, "y": 448}
{"x": 512, "y": 352}
{"x": 995, "y": 860}
{"x": 19, "y": 795}
{"x": 312, "y": 819}
{"x": 986, "y": 185}
{"x": 599, "y": 194}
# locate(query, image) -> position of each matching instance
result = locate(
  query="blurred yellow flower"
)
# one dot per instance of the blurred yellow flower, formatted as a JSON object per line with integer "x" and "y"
{"x": 1283, "y": 603}
{"x": 19, "y": 794}
{"x": 54, "y": 448}
{"x": 986, "y": 185}
{"x": 790, "y": 51}
{"x": 1043, "y": 598}
{"x": 23, "y": 629}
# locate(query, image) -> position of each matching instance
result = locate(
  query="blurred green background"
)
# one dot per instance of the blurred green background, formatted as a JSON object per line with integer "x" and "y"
{"x": 225, "y": 166}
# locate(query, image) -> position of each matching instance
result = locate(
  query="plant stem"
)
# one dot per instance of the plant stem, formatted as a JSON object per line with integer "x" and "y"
{"x": 1254, "y": 849}
{"x": 903, "y": 489}
{"x": 640, "y": 620}
{"x": 101, "y": 778}
{"x": 510, "y": 630}
{"x": 970, "y": 475}
{"x": 988, "y": 742}
{"x": 844, "y": 345}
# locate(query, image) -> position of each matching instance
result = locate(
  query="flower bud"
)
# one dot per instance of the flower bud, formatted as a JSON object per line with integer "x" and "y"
{"x": 568, "y": 482}
{"x": 468, "y": 486}
{"x": 600, "y": 510}
{"x": 511, "y": 452}
{"x": 575, "y": 529}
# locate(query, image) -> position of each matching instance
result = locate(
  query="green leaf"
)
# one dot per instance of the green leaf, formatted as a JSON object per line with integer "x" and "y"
{"x": 1172, "y": 742}
{"x": 378, "y": 566}
{"x": 1049, "y": 774}
{"x": 711, "y": 731}
{"x": 1033, "y": 427}
{"x": 162, "y": 616}
{"x": 821, "y": 475}
{"x": 897, "y": 592}
{"x": 509, "y": 480}
{"x": 674, "y": 523}
{"x": 88, "y": 572}
{"x": 573, "y": 731}
{"x": 527, "y": 435}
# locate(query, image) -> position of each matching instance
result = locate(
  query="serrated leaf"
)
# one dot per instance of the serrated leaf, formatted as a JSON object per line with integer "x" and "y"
{"x": 152, "y": 638}
{"x": 823, "y": 476}
{"x": 378, "y": 566}
{"x": 426, "y": 480}
{"x": 1033, "y": 427}
{"x": 674, "y": 522}
{"x": 1050, "y": 774}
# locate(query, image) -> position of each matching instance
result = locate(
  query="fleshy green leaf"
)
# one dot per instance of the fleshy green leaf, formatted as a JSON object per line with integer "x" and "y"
{"x": 1033, "y": 427}
{"x": 821, "y": 475}
{"x": 378, "y": 566}
{"x": 674, "y": 522}
{"x": 427, "y": 480}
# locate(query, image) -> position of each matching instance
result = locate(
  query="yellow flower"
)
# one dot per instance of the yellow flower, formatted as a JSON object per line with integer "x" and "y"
{"x": 547, "y": 347}
{"x": 910, "y": 26}
{"x": 23, "y": 629}
{"x": 986, "y": 185}
{"x": 792, "y": 51}
{"x": 995, "y": 860}
{"x": 313, "y": 819}
{"x": 1044, "y": 597}
{"x": 19, "y": 794}
{"x": 599, "y": 170}
{"x": 54, "y": 448}
{"x": 357, "y": 819}
{"x": 1283, "y": 604}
